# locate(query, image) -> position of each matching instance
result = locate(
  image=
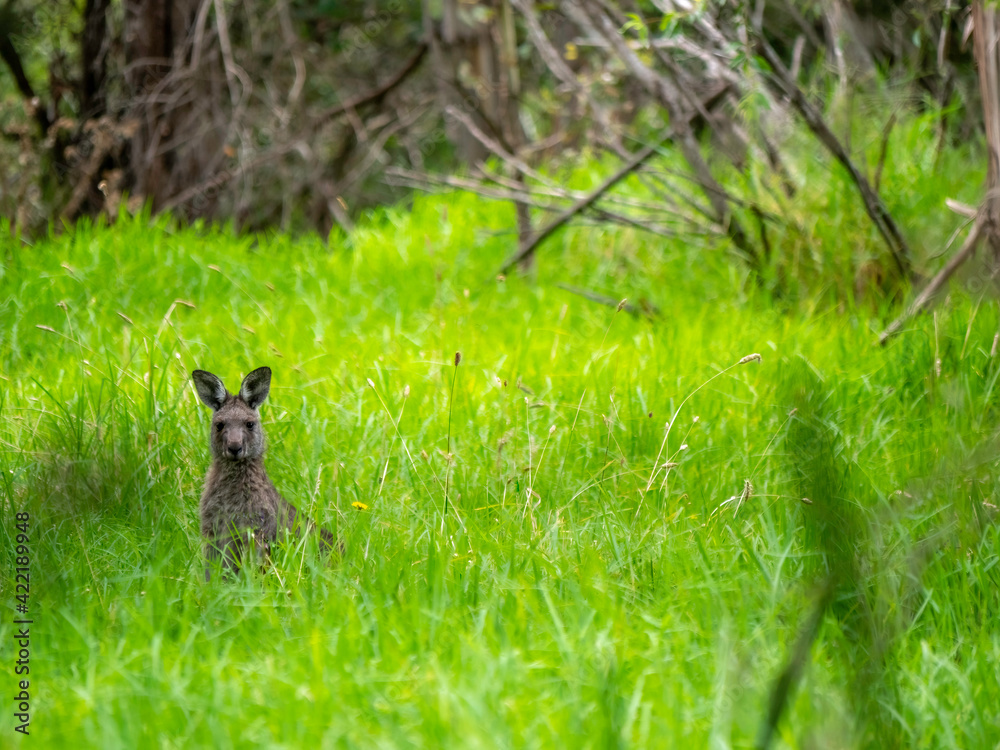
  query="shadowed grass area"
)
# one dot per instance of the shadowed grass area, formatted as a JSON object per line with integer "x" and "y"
{"x": 553, "y": 601}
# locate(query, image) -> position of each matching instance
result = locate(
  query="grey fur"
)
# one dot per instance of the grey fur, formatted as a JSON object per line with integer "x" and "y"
{"x": 241, "y": 510}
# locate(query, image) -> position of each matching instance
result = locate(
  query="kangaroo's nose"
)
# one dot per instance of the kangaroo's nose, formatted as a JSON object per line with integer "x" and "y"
{"x": 234, "y": 450}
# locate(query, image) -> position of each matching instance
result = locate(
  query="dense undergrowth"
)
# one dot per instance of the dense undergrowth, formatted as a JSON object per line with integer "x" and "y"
{"x": 572, "y": 591}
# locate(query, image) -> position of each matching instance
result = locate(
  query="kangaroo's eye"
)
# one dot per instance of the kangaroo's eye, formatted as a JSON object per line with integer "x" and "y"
{"x": 250, "y": 425}
{"x": 219, "y": 426}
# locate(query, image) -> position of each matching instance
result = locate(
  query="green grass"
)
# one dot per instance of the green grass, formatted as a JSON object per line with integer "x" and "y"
{"x": 555, "y": 603}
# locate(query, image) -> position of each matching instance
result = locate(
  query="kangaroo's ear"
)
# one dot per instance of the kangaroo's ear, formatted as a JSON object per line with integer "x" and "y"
{"x": 256, "y": 386}
{"x": 210, "y": 389}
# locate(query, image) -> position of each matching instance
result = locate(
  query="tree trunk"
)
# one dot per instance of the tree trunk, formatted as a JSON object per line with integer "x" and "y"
{"x": 93, "y": 53}
{"x": 987, "y": 49}
{"x": 475, "y": 63}
{"x": 475, "y": 71}
{"x": 176, "y": 100}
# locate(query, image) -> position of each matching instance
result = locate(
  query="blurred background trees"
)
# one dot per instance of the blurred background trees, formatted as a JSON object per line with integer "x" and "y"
{"x": 300, "y": 115}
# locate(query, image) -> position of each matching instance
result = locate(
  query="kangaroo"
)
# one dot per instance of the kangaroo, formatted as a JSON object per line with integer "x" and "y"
{"x": 240, "y": 508}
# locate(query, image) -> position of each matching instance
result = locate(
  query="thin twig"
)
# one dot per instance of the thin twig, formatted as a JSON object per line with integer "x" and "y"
{"x": 554, "y": 62}
{"x": 883, "y": 152}
{"x": 495, "y": 148}
{"x": 648, "y": 310}
{"x": 399, "y": 176}
{"x": 221, "y": 178}
{"x": 103, "y": 142}
{"x": 924, "y": 298}
{"x": 8, "y": 53}
{"x": 873, "y": 204}
{"x": 448, "y": 457}
{"x": 579, "y": 206}
{"x": 375, "y": 94}
{"x": 594, "y": 18}
{"x": 227, "y": 52}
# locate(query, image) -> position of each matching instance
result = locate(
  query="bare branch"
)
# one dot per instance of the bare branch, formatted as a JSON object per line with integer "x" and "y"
{"x": 227, "y": 54}
{"x": 9, "y": 55}
{"x": 103, "y": 142}
{"x": 883, "y": 151}
{"x": 647, "y": 309}
{"x": 579, "y": 206}
{"x": 291, "y": 42}
{"x": 667, "y": 93}
{"x": 376, "y": 145}
{"x": 425, "y": 180}
{"x": 873, "y": 204}
{"x": 923, "y": 300}
{"x": 221, "y": 178}
{"x": 376, "y": 94}
{"x": 554, "y": 62}
{"x": 495, "y": 148}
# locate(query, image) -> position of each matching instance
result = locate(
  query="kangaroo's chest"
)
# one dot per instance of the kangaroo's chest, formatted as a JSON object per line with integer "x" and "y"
{"x": 238, "y": 502}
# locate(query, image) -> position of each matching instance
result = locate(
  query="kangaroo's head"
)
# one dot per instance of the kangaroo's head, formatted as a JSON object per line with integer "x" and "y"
{"x": 236, "y": 431}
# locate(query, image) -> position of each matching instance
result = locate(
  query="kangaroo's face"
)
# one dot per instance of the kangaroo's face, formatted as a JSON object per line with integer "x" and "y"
{"x": 236, "y": 431}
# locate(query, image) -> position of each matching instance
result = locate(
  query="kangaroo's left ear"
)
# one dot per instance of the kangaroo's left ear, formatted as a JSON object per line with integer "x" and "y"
{"x": 210, "y": 389}
{"x": 256, "y": 386}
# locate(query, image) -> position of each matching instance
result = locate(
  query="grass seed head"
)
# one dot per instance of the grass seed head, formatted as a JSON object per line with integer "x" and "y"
{"x": 749, "y": 358}
{"x": 458, "y": 358}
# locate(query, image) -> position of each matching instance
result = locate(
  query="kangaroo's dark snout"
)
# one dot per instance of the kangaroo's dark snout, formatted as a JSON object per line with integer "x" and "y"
{"x": 234, "y": 442}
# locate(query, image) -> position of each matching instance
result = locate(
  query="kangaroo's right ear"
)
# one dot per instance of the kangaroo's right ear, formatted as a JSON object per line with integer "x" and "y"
{"x": 256, "y": 386}
{"x": 210, "y": 389}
